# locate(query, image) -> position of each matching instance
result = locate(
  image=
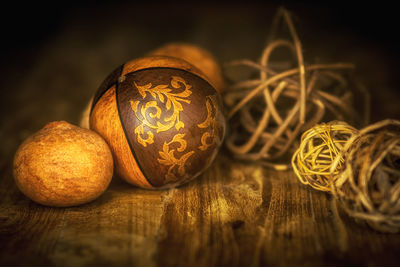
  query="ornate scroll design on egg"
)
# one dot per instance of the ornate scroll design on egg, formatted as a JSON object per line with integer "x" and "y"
{"x": 211, "y": 123}
{"x": 167, "y": 157}
{"x": 150, "y": 109}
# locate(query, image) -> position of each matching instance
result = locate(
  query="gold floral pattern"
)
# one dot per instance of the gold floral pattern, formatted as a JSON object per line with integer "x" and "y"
{"x": 167, "y": 157}
{"x": 158, "y": 110}
{"x": 210, "y": 122}
{"x": 150, "y": 109}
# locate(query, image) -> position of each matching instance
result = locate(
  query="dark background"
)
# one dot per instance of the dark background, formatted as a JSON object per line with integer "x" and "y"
{"x": 28, "y": 26}
{"x": 55, "y": 55}
{"x": 31, "y": 23}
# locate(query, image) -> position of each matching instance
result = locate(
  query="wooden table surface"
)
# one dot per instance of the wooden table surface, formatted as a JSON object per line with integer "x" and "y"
{"x": 236, "y": 213}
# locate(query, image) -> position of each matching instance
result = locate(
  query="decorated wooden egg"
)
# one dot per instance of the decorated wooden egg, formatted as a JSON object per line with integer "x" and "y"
{"x": 162, "y": 119}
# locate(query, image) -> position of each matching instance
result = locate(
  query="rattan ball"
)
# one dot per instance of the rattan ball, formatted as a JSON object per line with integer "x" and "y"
{"x": 268, "y": 110}
{"x": 318, "y": 149}
{"x": 368, "y": 187}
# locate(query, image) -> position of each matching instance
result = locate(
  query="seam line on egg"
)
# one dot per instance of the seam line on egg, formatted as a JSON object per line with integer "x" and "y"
{"x": 172, "y": 68}
{"x": 108, "y": 86}
{"x": 126, "y": 134}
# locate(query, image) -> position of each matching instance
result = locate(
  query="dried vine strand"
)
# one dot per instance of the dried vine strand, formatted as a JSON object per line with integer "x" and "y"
{"x": 286, "y": 74}
{"x": 300, "y": 61}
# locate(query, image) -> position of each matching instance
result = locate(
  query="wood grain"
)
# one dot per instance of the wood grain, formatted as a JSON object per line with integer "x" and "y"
{"x": 233, "y": 215}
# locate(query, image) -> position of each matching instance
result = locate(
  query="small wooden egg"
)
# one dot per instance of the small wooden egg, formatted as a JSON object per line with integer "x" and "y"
{"x": 198, "y": 57}
{"x": 63, "y": 165}
{"x": 162, "y": 120}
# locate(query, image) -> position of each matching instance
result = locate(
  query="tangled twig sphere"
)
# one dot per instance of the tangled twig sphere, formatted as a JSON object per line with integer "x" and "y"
{"x": 368, "y": 187}
{"x": 267, "y": 115}
{"x": 318, "y": 149}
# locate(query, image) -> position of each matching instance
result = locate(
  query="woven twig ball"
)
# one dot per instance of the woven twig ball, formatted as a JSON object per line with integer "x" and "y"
{"x": 318, "y": 149}
{"x": 368, "y": 187}
{"x": 268, "y": 112}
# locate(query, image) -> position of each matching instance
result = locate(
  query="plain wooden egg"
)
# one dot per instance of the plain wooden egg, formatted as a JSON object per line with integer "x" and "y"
{"x": 198, "y": 57}
{"x": 63, "y": 165}
{"x": 162, "y": 120}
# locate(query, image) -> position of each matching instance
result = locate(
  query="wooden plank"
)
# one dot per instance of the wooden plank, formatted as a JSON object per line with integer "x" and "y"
{"x": 28, "y": 232}
{"x": 248, "y": 216}
{"x": 119, "y": 229}
{"x": 233, "y": 215}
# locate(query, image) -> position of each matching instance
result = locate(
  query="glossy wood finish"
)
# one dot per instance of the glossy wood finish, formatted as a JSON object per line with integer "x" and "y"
{"x": 105, "y": 121}
{"x": 144, "y": 63}
{"x": 171, "y": 118}
{"x": 166, "y": 136}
